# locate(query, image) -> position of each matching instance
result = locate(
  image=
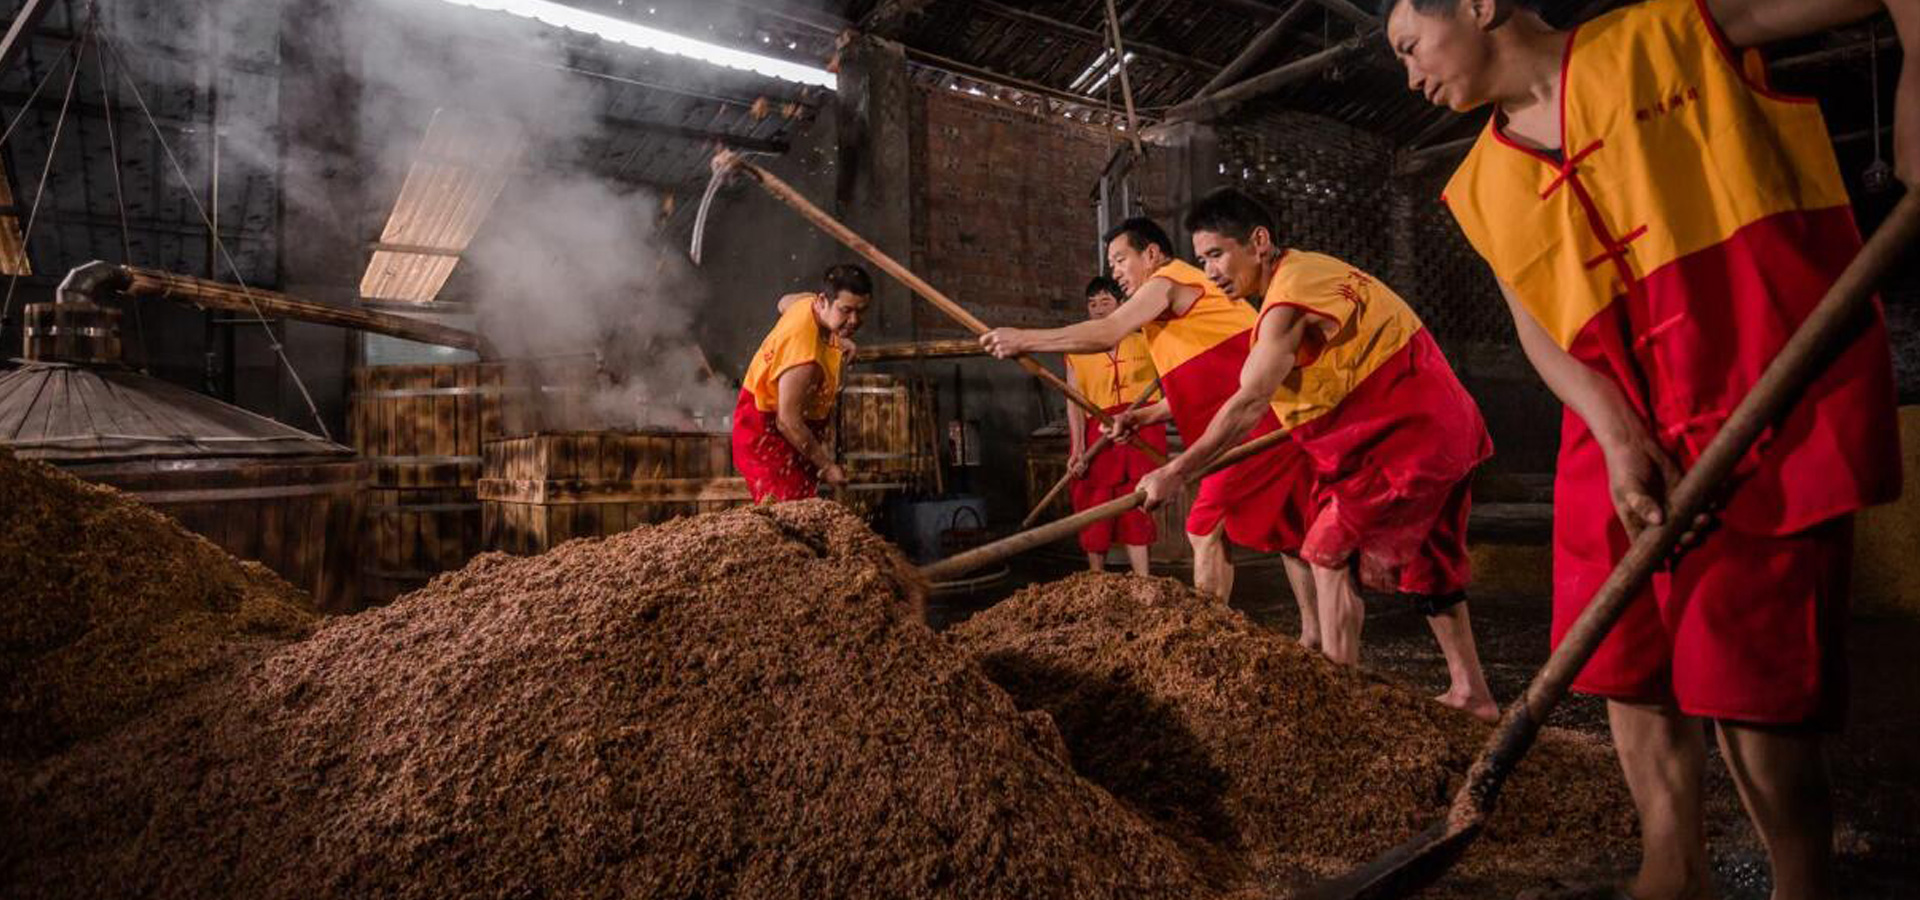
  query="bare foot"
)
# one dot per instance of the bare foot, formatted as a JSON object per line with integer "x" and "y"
{"x": 1310, "y": 640}
{"x": 1480, "y": 707}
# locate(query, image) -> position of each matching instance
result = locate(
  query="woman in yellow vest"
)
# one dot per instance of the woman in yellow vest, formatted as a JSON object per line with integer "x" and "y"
{"x": 1113, "y": 380}
{"x": 788, "y": 395}
{"x": 1660, "y": 221}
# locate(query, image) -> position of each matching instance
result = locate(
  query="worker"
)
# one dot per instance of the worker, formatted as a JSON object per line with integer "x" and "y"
{"x": 780, "y": 420}
{"x": 1660, "y": 220}
{"x": 1113, "y": 380}
{"x": 1197, "y": 337}
{"x": 1356, "y": 379}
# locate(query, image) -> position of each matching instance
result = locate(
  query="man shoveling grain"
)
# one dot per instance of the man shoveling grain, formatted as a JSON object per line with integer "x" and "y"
{"x": 1661, "y": 221}
{"x": 1350, "y": 371}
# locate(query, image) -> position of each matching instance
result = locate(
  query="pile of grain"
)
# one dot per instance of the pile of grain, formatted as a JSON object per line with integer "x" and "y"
{"x": 738, "y": 704}
{"x": 107, "y": 607}
{"x": 1234, "y": 740}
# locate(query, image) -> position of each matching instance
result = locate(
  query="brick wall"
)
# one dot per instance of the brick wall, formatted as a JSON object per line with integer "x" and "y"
{"x": 1327, "y": 184}
{"x": 1004, "y": 217}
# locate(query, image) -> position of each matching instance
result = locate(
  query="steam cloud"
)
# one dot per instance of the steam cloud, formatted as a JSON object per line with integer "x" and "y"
{"x": 572, "y": 268}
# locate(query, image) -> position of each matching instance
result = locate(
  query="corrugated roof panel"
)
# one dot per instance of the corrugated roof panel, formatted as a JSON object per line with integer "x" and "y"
{"x": 457, "y": 174}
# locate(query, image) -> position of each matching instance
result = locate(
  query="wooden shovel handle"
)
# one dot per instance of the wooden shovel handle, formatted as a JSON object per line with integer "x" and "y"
{"x": 961, "y": 563}
{"x": 1103, "y": 443}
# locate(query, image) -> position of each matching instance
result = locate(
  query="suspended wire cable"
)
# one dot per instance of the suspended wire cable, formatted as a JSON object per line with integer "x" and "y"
{"x": 28, "y": 106}
{"x": 119, "y": 191}
{"x": 46, "y": 170}
{"x": 273, "y": 340}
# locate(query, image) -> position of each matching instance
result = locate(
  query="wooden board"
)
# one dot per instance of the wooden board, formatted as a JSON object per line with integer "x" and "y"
{"x": 422, "y": 429}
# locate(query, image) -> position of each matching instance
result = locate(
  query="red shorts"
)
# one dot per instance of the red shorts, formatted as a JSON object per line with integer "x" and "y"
{"x": 1744, "y": 627}
{"x": 1265, "y": 503}
{"x": 773, "y": 469}
{"x": 1410, "y": 543}
{"x": 1133, "y": 527}
{"x": 1112, "y": 475}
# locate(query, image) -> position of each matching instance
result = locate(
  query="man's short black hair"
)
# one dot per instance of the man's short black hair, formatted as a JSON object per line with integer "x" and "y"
{"x": 846, "y": 277}
{"x": 1141, "y": 233}
{"x": 1101, "y": 284}
{"x": 1231, "y": 212}
{"x": 1441, "y": 7}
{"x": 1426, "y": 6}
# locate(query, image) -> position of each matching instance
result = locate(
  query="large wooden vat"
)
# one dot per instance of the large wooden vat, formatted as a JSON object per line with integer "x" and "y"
{"x": 544, "y": 489}
{"x": 421, "y": 429}
{"x": 1047, "y": 461}
{"x": 300, "y": 517}
{"x": 260, "y": 489}
{"x": 884, "y": 436}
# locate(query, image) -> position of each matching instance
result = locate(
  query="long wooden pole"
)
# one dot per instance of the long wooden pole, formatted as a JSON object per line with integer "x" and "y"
{"x": 1834, "y": 324}
{"x": 143, "y": 282}
{"x": 986, "y": 554}
{"x": 1126, "y": 86}
{"x": 881, "y": 353}
{"x": 786, "y": 194}
{"x": 1102, "y": 444}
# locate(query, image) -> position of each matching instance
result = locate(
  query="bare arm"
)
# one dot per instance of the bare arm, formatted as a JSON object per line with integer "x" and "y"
{"x": 1593, "y": 398}
{"x": 787, "y": 300}
{"x": 1639, "y": 471}
{"x": 796, "y": 385}
{"x": 1076, "y": 434}
{"x": 1753, "y": 23}
{"x": 1267, "y": 367}
{"x": 1091, "y": 336}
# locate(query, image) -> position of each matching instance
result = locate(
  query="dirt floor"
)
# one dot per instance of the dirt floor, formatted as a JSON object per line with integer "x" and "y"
{"x": 1876, "y": 760}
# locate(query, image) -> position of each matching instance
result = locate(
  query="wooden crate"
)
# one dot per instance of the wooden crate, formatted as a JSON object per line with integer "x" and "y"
{"x": 544, "y": 489}
{"x": 421, "y": 429}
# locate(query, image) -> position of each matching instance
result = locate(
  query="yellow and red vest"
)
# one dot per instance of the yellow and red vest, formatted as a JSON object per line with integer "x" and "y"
{"x": 1116, "y": 377}
{"x": 1691, "y": 220}
{"x": 1370, "y": 393}
{"x": 795, "y": 340}
{"x": 1199, "y": 353}
{"x": 1368, "y": 321}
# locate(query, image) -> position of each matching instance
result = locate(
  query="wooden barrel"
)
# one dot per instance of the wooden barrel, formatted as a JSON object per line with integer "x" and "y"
{"x": 421, "y": 429}
{"x": 544, "y": 489}
{"x": 1047, "y": 461}
{"x": 298, "y": 516}
{"x": 883, "y": 435}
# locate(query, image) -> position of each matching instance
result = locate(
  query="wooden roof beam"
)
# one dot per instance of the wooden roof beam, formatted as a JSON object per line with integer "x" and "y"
{"x": 1094, "y": 36}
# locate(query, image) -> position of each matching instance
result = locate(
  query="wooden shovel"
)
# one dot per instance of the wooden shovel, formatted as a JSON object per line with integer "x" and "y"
{"x": 986, "y": 554}
{"x": 1833, "y": 325}
{"x": 1103, "y": 443}
{"x": 786, "y": 194}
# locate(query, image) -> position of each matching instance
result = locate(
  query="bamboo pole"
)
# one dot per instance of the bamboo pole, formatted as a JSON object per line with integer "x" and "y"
{"x": 786, "y": 194}
{"x": 961, "y": 563}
